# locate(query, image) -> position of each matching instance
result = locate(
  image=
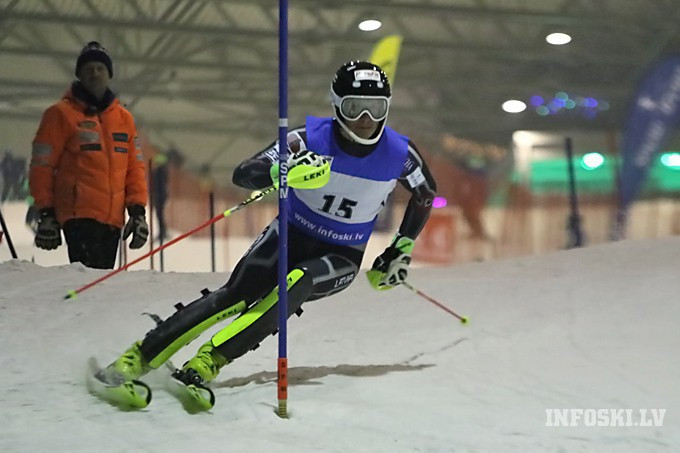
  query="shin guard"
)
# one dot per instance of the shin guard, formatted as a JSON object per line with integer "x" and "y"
{"x": 248, "y": 330}
{"x": 186, "y": 324}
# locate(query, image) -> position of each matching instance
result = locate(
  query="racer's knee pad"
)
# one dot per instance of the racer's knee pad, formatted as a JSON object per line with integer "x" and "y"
{"x": 331, "y": 274}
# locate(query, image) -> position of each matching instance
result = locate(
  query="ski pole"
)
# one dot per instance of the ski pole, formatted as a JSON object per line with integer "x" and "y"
{"x": 9, "y": 239}
{"x": 463, "y": 319}
{"x": 255, "y": 197}
{"x": 301, "y": 177}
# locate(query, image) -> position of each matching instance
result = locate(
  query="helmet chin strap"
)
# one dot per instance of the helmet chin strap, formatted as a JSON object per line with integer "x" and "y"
{"x": 356, "y": 138}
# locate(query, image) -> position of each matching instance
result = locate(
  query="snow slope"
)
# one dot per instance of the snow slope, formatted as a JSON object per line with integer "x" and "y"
{"x": 369, "y": 372}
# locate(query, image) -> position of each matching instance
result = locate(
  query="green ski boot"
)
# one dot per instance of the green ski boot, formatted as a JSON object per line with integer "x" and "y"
{"x": 131, "y": 365}
{"x": 118, "y": 384}
{"x": 128, "y": 367}
{"x": 190, "y": 383}
{"x": 205, "y": 365}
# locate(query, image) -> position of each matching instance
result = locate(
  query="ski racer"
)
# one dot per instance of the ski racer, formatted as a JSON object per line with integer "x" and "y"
{"x": 329, "y": 228}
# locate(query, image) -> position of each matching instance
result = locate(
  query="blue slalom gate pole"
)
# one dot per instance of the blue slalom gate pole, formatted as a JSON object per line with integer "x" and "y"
{"x": 282, "y": 365}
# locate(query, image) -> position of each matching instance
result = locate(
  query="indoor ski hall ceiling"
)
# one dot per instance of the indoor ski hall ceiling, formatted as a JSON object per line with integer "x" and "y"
{"x": 202, "y": 74}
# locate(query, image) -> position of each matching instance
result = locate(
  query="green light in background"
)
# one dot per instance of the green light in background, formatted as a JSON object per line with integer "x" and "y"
{"x": 671, "y": 160}
{"x": 591, "y": 161}
{"x": 542, "y": 110}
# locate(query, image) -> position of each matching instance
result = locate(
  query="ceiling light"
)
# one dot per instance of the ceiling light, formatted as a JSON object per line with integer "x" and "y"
{"x": 370, "y": 25}
{"x": 537, "y": 100}
{"x": 514, "y": 106}
{"x": 558, "y": 39}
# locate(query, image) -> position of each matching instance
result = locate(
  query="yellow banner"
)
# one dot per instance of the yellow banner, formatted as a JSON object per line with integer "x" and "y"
{"x": 386, "y": 55}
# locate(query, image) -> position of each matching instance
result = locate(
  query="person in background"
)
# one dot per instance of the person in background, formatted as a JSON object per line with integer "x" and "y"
{"x": 32, "y": 215}
{"x": 11, "y": 176}
{"x": 20, "y": 183}
{"x": 160, "y": 185}
{"x": 87, "y": 168}
{"x": 159, "y": 190}
{"x": 329, "y": 228}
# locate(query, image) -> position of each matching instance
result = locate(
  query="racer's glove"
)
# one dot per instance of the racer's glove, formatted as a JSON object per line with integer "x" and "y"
{"x": 306, "y": 170}
{"x": 48, "y": 234}
{"x": 136, "y": 226}
{"x": 391, "y": 267}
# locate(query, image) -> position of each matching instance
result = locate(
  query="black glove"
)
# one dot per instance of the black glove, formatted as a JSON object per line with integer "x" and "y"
{"x": 136, "y": 226}
{"x": 391, "y": 267}
{"x": 48, "y": 235}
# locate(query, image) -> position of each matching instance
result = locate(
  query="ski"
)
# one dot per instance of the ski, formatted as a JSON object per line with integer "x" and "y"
{"x": 126, "y": 395}
{"x": 135, "y": 394}
{"x": 194, "y": 397}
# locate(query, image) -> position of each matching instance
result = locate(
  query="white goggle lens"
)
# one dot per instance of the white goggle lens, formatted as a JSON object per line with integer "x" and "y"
{"x": 353, "y": 108}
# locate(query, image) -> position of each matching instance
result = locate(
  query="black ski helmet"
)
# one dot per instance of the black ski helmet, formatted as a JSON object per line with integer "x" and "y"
{"x": 361, "y": 79}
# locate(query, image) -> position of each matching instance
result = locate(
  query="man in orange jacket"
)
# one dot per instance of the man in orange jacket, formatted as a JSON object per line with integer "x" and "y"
{"x": 87, "y": 167}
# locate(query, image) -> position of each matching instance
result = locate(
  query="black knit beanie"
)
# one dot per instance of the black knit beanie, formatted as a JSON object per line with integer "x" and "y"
{"x": 93, "y": 51}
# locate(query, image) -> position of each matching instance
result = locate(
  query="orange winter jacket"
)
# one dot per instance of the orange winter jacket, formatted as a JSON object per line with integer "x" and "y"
{"x": 87, "y": 166}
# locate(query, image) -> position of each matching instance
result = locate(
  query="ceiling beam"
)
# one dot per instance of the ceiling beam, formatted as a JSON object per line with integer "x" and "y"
{"x": 506, "y": 13}
{"x": 236, "y": 35}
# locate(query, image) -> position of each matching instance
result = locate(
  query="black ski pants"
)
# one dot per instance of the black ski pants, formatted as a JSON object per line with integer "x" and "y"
{"x": 326, "y": 269}
{"x": 91, "y": 242}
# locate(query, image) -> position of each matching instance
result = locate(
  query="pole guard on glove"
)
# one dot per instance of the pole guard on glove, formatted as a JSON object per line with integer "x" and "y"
{"x": 306, "y": 170}
{"x": 391, "y": 267}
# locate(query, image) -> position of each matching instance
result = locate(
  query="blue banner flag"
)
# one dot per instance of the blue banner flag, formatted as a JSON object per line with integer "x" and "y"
{"x": 653, "y": 115}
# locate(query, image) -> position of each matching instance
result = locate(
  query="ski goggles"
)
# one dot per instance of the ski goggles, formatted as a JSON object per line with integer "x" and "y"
{"x": 352, "y": 107}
